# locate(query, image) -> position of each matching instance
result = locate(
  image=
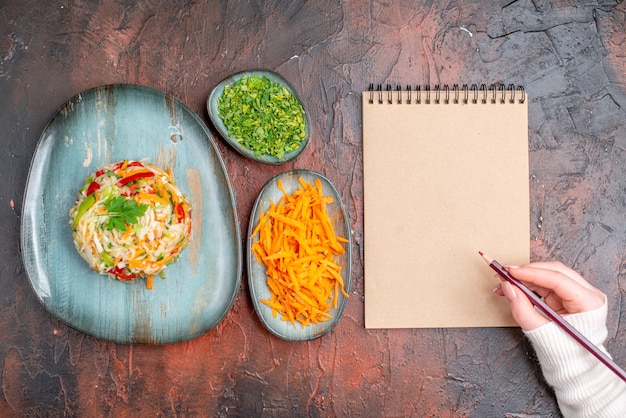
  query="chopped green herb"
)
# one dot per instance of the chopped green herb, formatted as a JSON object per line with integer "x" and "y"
{"x": 262, "y": 116}
{"x": 122, "y": 212}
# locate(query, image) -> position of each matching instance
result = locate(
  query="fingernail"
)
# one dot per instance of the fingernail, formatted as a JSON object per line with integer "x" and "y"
{"x": 509, "y": 292}
{"x": 511, "y": 266}
{"x": 496, "y": 287}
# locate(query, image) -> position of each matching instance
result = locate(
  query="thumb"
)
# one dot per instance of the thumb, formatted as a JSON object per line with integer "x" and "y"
{"x": 522, "y": 309}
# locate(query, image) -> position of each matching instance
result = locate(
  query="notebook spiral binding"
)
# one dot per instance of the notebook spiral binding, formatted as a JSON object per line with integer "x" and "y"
{"x": 480, "y": 93}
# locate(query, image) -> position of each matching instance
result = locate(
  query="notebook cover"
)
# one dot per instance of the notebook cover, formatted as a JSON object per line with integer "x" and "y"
{"x": 442, "y": 182}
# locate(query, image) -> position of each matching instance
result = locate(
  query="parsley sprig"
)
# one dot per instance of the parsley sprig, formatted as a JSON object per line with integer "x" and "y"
{"x": 122, "y": 212}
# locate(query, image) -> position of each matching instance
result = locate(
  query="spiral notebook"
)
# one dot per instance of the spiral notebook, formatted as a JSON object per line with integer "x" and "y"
{"x": 445, "y": 176}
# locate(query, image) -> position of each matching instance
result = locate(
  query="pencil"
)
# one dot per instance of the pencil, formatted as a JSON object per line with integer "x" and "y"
{"x": 554, "y": 316}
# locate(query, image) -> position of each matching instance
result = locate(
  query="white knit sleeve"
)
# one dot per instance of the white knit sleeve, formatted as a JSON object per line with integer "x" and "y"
{"x": 584, "y": 386}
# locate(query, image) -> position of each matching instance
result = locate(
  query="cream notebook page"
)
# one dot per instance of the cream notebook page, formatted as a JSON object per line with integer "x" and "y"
{"x": 442, "y": 182}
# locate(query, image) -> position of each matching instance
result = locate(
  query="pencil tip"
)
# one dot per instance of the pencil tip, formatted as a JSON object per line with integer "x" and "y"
{"x": 488, "y": 260}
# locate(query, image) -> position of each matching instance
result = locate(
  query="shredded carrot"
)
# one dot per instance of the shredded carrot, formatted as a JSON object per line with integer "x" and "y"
{"x": 149, "y": 197}
{"x": 298, "y": 247}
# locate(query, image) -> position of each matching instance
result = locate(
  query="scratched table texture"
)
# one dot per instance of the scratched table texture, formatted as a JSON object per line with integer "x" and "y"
{"x": 570, "y": 57}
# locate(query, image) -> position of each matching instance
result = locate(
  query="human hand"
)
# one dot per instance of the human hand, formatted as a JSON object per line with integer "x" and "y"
{"x": 562, "y": 288}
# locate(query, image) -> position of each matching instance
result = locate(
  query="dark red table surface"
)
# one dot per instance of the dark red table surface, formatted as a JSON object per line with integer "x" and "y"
{"x": 570, "y": 58}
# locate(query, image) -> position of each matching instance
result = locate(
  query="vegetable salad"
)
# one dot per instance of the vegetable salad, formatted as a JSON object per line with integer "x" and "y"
{"x": 130, "y": 220}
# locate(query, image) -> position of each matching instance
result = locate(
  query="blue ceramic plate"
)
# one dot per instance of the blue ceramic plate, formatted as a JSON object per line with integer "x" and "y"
{"x": 256, "y": 272}
{"x": 113, "y": 123}
{"x": 214, "y": 115}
